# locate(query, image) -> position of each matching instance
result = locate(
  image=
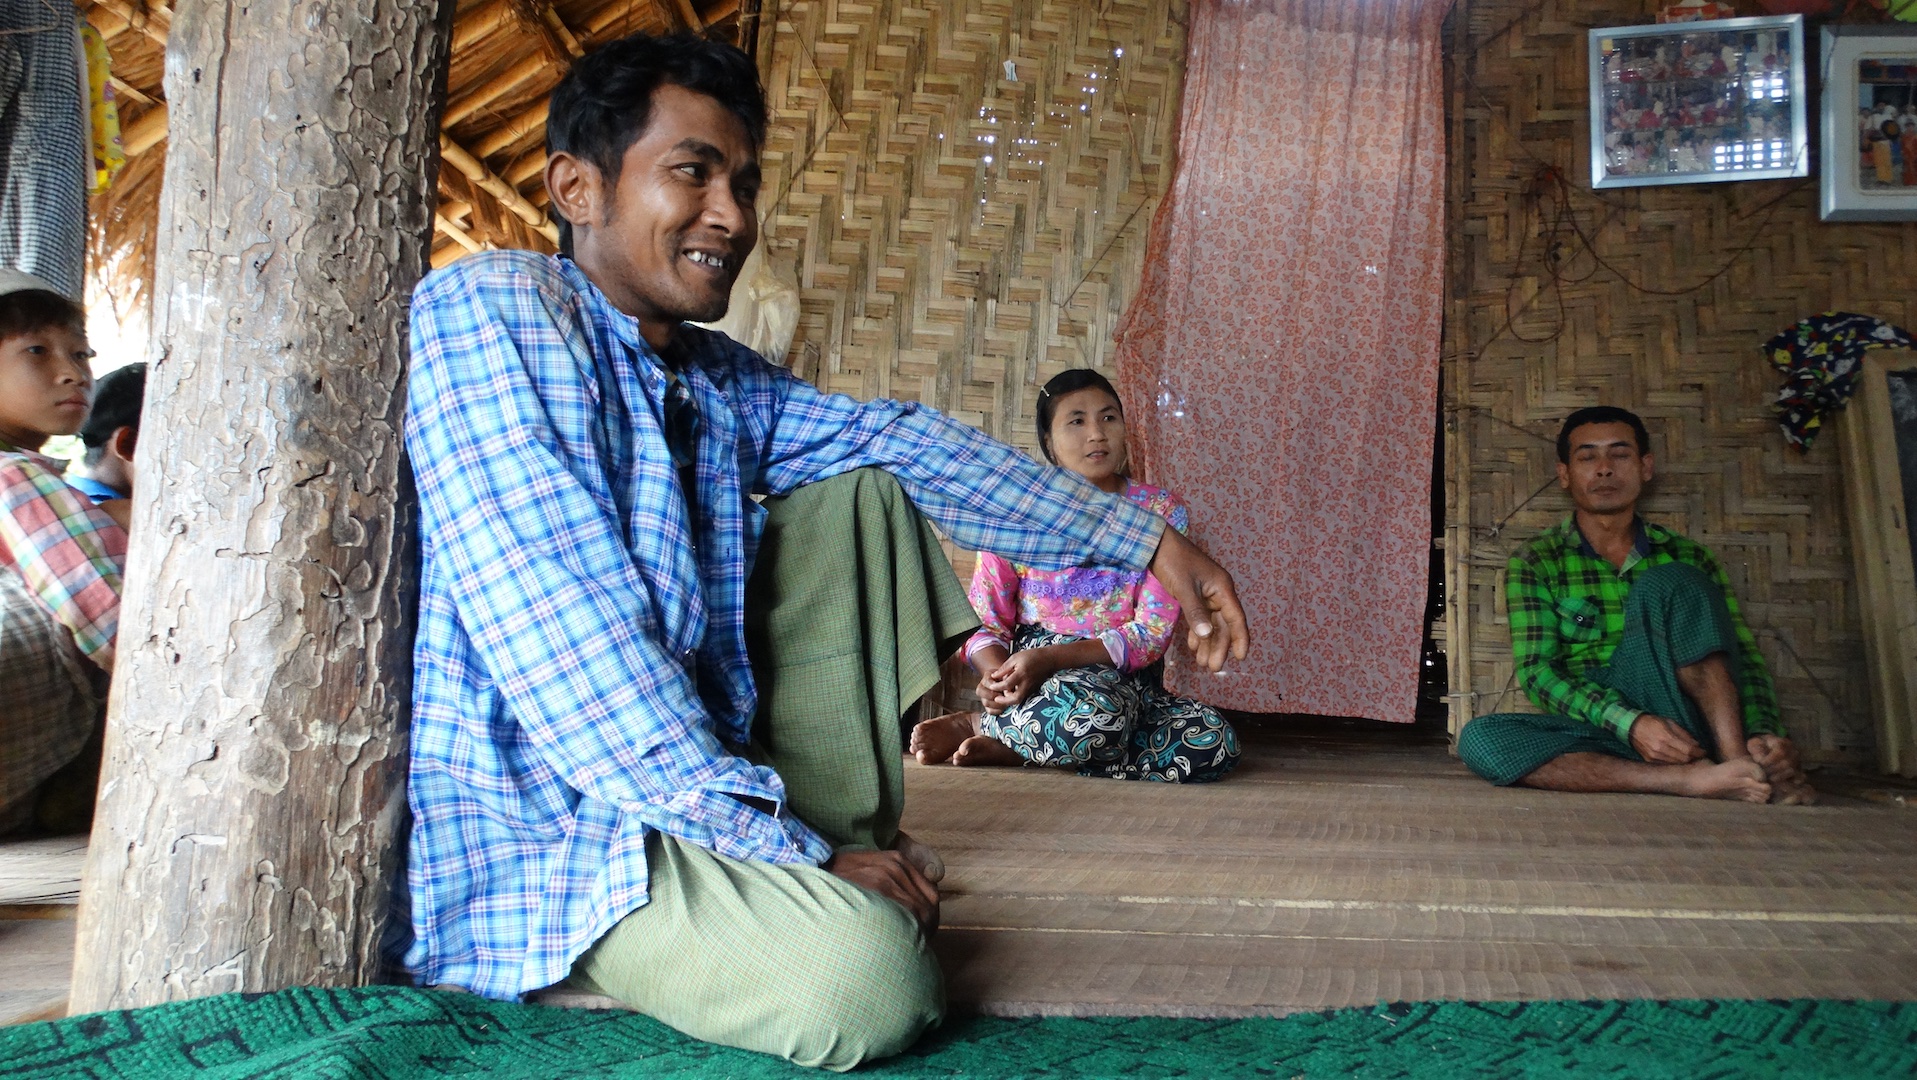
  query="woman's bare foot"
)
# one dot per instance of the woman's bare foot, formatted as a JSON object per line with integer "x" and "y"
{"x": 985, "y": 750}
{"x": 1739, "y": 779}
{"x": 934, "y": 741}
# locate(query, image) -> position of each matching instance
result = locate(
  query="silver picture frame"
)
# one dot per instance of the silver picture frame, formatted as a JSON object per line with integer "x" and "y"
{"x": 1868, "y": 172}
{"x": 1698, "y": 102}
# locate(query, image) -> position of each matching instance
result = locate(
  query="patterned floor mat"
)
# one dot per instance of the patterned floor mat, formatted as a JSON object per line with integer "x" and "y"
{"x": 390, "y": 1032}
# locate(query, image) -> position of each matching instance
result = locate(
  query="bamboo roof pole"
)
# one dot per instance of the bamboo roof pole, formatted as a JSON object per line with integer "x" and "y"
{"x": 145, "y": 133}
{"x": 458, "y": 235}
{"x": 513, "y": 130}
{"x": 486, "y": 180}
{"x": 476, "y": 24}
{"x": 252, "y": 793}
{"x": 153, "y": 20}
{"x": 688, "y": 16}
{"x": 516, "y": 77}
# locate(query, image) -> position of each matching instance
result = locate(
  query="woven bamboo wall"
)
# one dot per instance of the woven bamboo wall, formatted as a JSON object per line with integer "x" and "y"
{"x": 961, "y": 233}
{"x": 1688, "y": 362}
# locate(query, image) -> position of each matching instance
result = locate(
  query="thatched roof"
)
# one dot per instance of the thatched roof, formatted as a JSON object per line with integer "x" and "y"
{"x": 506, "y": 57}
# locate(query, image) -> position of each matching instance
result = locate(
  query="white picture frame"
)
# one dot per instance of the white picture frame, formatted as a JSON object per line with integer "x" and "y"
{"x": 1869, "y": 74}
{"x": 1698, "y": 102}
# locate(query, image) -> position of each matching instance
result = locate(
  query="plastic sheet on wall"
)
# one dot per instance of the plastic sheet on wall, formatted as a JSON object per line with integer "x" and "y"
{"x": 1281, "y": 360}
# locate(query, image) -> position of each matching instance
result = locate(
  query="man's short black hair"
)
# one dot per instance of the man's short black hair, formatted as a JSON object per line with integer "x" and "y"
{"x": 116, "y": 404}
{"x": 29, "y": 310}
{"x": 603, "y": 104}
{"x": 1602, "y": 414}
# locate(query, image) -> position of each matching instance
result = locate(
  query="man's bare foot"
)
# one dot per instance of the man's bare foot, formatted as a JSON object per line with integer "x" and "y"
{"x": 985, "y": 750}
{"x": 934, "y": 741}
{"x": 1739, "y": 779}
{"x": 921, "y": 855}
{"x": 1793, "y": 794}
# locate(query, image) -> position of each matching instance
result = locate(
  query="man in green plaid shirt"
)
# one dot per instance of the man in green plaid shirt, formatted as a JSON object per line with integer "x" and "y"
{"x": 1627, "y": 636}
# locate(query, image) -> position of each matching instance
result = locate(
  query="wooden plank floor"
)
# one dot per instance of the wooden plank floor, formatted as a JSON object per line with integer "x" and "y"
{"x": 1336, "y": 871}
{"x": 1329, "y": 870}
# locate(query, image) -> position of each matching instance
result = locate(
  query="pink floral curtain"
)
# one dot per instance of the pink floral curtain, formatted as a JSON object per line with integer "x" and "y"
{"x": 1281, "y": 361}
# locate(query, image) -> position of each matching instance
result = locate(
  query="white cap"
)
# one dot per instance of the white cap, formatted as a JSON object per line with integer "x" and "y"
{"x": 13, "y": 281}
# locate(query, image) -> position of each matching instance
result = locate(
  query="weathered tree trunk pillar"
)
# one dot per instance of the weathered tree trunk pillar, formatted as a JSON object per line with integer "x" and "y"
{"x": 254, "y": 785}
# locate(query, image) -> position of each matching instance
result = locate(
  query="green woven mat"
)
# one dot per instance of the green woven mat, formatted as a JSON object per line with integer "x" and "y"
{"x": 384, "y": 1032}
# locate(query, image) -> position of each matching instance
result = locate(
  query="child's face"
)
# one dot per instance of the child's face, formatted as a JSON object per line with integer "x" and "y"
{"x": 44, "y": 382}
{"x": 1088, "y": 434}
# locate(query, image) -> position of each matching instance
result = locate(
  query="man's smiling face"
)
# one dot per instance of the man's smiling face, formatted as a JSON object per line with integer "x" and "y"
{"x": 666, "y": 242}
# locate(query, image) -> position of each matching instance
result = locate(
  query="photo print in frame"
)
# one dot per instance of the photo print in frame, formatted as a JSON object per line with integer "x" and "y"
{"x": 1698, "y": 102}
{"x": 1868, "y": 170}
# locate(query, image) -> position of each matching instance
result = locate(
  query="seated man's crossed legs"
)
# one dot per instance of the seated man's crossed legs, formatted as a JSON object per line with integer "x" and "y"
{"x": 1675, "y": 662}
{"x": 786, "y": 960}
{"x": 848, "y": 611}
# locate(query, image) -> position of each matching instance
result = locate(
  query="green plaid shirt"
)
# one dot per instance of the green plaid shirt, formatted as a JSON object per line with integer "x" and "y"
{"x": 1567, "y": 617}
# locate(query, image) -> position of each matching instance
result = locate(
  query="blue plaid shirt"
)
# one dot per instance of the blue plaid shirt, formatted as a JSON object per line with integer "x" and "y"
{"x": 580, "y": 674}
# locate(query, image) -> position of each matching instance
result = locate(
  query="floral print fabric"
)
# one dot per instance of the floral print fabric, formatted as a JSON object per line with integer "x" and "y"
{"x": 1819, "y": 358}
{"x": 1128, "y": 610}
{"x": 1115, "y": 724}
{"x": 1280, "y": 360}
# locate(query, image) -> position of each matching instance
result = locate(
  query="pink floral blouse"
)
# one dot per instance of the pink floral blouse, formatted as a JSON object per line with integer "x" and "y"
{"x": 1128, "y": 610}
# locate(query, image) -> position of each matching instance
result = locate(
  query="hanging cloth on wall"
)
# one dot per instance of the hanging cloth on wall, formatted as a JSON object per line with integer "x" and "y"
{"x": 1819, "y": 358}
{"x": 45, "y": 162}
{"x": 1281, "y": 358}
{"x": 109, "y": 155}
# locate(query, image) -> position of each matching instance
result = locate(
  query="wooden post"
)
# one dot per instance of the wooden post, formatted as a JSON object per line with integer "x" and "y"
{"x": 254, "y": 786}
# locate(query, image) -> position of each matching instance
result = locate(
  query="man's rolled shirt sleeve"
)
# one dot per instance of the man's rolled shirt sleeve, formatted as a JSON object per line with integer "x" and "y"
{"x": 984, "y": 494}
{"x": 552, "y": 602}
{"x": 1539, "y": 654}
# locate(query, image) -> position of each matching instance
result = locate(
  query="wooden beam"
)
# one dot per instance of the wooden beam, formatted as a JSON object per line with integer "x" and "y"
{"x": 145, "y": 133}
{"x": 688, "y": 16}
{"x": 252, "y": 796}
{"x": 126, "y": 89}
{"x": 522, "y": 73}
{"x": 509, "y": 197}
{"x": 153, "y": 20}
{"x": 514, "y": 130}
{"x": 479, "y": 22}
{"x": 456, "y": 234}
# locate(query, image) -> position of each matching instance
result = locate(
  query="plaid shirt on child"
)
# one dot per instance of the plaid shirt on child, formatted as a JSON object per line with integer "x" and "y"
{"x": 70, "y": 554}
{"x": 580, "y": 672}
{"x": 1567, "y": 616}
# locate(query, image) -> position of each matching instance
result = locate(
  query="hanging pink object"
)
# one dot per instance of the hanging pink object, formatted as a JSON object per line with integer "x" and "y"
{"x": 1281, "y": 359}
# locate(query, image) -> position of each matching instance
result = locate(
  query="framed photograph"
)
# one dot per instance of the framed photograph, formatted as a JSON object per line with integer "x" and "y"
{"x": 1869, "y": 170}
{"x": 1698, "y": 102}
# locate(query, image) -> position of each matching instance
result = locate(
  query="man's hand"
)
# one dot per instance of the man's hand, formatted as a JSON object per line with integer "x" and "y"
{"x": 891, "y": 876}
{"x": 1015, "y": 679}
{"x": 1208, "y": 598}
{"x": 1783, "y": 767}
{"x": 1663, "y": 742}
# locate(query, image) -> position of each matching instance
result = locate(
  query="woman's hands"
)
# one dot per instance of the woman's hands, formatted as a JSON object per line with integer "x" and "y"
{"x": 1013, "y": 680}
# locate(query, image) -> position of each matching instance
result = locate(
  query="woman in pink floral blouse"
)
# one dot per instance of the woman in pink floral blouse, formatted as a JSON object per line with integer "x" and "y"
{"x": 1070, "y": 661}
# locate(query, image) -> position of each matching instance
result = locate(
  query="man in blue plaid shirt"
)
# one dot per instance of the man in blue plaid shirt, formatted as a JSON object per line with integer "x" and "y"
{"x": 591, "y": 797}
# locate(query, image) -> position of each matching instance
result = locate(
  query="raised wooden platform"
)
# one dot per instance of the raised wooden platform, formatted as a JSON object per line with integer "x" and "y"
{"x": 1335, "y": 870}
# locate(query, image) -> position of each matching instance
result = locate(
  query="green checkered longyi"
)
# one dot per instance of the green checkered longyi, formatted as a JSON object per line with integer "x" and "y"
{"x": 1567, "y": 617}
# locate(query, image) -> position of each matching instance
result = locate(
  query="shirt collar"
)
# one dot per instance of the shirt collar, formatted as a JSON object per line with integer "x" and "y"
{"x": 624, "y": 327}
{"x": 1644, "y": 536}
{"x": 52, "y": 465}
